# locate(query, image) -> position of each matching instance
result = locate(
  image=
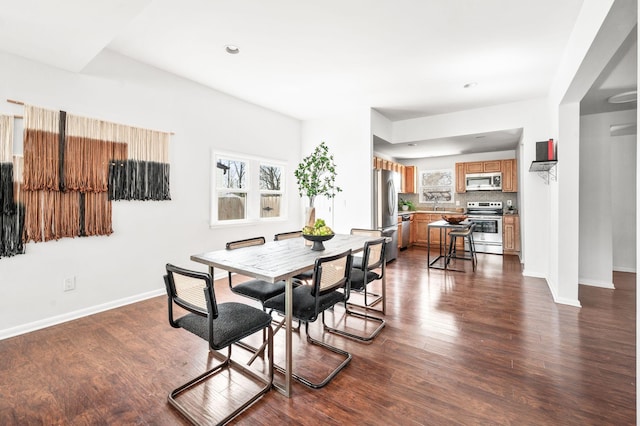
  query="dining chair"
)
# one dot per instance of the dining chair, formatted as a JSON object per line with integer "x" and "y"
{"x": 376, "y": 233}
{"x": 464, "y": 234}
{"x": 222, "y": 325}
{"x": 287, "y": 235}
{"x": 330, "y": 285}
{"x": 371, "y": 269}
{"x": 256, "y": 289}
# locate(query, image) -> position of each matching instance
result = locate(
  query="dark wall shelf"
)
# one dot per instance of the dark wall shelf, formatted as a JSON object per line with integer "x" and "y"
{"x": 545, "y": 169}
{"x": 542, "y": 166}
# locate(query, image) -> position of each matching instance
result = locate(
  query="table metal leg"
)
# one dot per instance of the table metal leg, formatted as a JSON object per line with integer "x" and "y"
{"x": 428, "y": 246}
{"x": 288, "y": 310}
{"x": 384, "y": 293}
{"x": 443, "y": 241}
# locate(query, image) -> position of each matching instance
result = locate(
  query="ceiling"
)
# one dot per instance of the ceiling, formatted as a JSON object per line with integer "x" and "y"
{"x": 404, "y": 58}
{"x": 502, "y": 140}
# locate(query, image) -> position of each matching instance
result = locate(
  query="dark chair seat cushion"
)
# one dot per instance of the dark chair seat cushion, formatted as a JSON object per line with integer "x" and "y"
{"x": 304, "y": 304}
{"x": 235, "y": 322}
{"x": 259, "y": 290}
{"x": 357, "y": 278}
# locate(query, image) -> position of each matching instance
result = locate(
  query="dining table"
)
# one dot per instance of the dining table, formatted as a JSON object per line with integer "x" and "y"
{"x": 440, "y": 261}
{"x": 277, "y": 261}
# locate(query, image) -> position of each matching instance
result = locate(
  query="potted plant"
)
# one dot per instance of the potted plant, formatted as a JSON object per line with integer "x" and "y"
{"x": 316, "y": 175}
{"x": 406, "y": 205}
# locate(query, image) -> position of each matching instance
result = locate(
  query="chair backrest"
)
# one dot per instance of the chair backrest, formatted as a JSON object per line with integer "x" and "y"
{"x": 232, "y": 245}
{"x": 287, "y": 235}
{"x": 367, "y": 232}
{"x": 374, "y": 254}
{"x": 464, "y": 231}
{"x": 191, "y": 290}
{"x": 331, "y": 273}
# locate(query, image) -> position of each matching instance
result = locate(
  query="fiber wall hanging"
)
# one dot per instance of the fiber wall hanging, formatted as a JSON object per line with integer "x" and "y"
{"x": 75, "y": 166}
{"x": 11, "y": 210}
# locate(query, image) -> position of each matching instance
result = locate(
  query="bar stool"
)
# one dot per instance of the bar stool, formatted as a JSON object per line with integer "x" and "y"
{"x": 466, "y": 233}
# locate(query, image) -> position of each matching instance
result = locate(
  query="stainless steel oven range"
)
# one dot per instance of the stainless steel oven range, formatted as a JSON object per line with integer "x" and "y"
{"x": 487, "y": 217}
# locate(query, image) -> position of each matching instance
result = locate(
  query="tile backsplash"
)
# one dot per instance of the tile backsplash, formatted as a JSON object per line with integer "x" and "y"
{"x": 462, "y": 198}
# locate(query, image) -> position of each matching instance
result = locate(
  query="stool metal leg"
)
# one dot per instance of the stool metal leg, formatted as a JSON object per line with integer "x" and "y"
{"x": 472, "y": 248}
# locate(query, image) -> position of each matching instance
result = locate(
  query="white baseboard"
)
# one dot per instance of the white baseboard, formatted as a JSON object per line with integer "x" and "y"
{"x": 561, "y": 300}
{"x": 596, "y": 283}
{"x": 564, "y": 300}
{"x": 533, "y": 274}
{"x": 48, "y": 322}
{"x": 624, "y": 269}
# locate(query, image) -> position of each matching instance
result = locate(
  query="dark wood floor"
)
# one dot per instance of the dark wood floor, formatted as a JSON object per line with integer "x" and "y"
{"x": 487, "y": 348}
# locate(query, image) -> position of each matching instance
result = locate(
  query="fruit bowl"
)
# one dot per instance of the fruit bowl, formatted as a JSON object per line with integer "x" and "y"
{"x": 454, "y": 219}
{"x": 317, "y": 240}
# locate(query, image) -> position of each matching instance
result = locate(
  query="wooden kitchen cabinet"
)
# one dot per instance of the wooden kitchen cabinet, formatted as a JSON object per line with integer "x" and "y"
{"x": 508, "y": 168}
{"x": 461, "y": 182}
{"x": 409, "y": 180}
{"x": 474, "y": 167}
{"x": 482, "y": 166}
{"x": 420, "y": 227}
{"x": 511, "y": 234}
{"x": 407, "y": 173}
{"x": 509, "y": 175}
{"x": 492, "y": 166}
{"x": 420, "y": 222}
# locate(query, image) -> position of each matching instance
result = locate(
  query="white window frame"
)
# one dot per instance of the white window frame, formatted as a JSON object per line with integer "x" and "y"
{"x": 253, "y": 191}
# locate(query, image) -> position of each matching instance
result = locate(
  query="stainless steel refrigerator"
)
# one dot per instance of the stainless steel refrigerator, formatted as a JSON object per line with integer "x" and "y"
{"x": 385, "y": 207}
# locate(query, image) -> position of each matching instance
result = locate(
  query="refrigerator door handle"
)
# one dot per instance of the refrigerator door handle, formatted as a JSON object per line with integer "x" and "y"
{"x": 391, "y": 197}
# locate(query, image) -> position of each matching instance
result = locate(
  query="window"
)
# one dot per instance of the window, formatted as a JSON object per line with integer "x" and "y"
{"x": 231, "y": 177}
{"x": 270, "y": 190}
{"x": 246, "y": 189}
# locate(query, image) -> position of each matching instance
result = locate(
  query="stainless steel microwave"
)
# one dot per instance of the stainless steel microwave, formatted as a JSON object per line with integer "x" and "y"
{"x": 484, "y": 181}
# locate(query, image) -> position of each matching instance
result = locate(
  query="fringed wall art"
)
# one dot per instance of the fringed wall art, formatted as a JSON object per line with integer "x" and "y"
{"x": 74, "y": 167}
{"x": 145, "y": 173}
{"x": 11, "y": 209}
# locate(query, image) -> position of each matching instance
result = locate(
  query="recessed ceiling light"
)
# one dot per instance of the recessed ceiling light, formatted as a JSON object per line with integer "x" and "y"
{"x": 470, "y": 85}
{"x": 230, "y": 48}
{"x": 412, "y": 144}
{"x": 623, "y": 98}
{"x": 480, "y": 136}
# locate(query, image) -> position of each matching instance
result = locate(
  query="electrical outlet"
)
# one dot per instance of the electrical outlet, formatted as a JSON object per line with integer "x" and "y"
{"x": 509, "y": 204}
{"x": 457, "y": 203}
{"x": 69, "y": 284}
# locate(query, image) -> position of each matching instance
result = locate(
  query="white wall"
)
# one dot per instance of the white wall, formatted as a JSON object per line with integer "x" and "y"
{"x": 624, "y": 195}
{"x": 595, "y": 228}
{"x": 349, "y": 139}
{"x": 607, "y": 198}
{"x": 381, "y": 126}
{"x": 128, "y": 264}
{"x": 601, "y": 28}
{"x": 533, "y": 117}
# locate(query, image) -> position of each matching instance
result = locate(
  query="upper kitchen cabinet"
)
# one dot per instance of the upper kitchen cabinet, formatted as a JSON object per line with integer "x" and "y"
{"x": 482, "y": 166}
{"x": 407, "y": 173}
{"x": 508, "y": 168}
{"x": 509, "y": 175}
{"x": 461, "y": 182}
{"x": 409, "y": 180}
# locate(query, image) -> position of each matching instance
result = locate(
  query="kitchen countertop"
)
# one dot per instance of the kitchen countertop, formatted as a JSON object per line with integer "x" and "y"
{"x": 400, "y": 213}
{"x": 453, "y": 212}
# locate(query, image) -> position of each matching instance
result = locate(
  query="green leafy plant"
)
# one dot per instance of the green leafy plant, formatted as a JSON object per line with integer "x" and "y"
{"x": 316, "y": 175}
{"x": 408, "y": 203}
